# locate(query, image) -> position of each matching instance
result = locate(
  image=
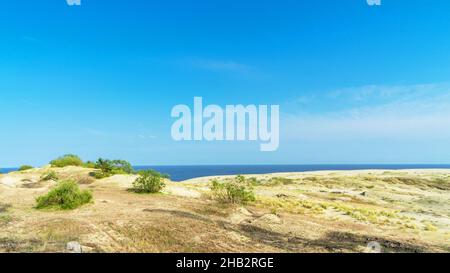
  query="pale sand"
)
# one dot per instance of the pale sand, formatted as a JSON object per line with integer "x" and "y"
{"x": 294, "y": 175}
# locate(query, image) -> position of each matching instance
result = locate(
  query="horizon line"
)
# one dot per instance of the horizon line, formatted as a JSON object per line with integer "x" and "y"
{"x": 269, "y": 164}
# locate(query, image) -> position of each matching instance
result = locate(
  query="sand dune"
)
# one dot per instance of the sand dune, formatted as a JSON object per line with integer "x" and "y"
{"x": 326, "y": 211}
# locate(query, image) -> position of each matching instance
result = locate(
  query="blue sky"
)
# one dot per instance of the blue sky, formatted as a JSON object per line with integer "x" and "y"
{"x": 355, "y": 83}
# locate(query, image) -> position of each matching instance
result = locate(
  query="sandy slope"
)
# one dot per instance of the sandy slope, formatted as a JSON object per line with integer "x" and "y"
{"x": 405, "y": 211}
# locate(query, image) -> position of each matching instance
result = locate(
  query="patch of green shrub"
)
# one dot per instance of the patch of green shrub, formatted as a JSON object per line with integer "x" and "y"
{"x": 5, "y": 219}
{"x": 107, "y": 168}
{"x": 67, "y": 160}
{"x": 236, "y": 191}
{"x": 25, "y": 168}
{"x": 66, "y": 195}
{"x": 50, "y": 176}
{"x": 254, "y": 181}
{"x": 100, "y": 174}
{"x": 149, "y": 181}
{"x": 89, "y": 164}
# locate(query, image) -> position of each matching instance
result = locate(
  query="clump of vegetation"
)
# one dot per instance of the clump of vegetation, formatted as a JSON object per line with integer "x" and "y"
{"x": 100, "y": 175}
{"x": 107, "y": 168}
{"x": 149, "y": 181}
{"x": 235, "y": 191}
{"x": 25, "y": 168}
{"x": 254, "y": 181}
{"x": 4, "y": 217}
{"x": 440, "y": 183}
{"x": 89, "y": 164}
{"x": 311, "y": 179}
{"x": 278, "y": 181}
{"x": 430, "y": 227}
{"x": 4, "y": 207}
{"x": 293, "y": 205}
{"x": 67, "y": 160}
{"x": 66, "y": 195}
{"x": 363, "y": 214}
{"x": 52, "y": 175}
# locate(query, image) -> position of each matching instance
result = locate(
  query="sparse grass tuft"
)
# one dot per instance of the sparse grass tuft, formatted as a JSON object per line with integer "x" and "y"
{"x": 430, "y": 227}
{"x": 292, "y": 205}
{"x": 440, "y": 183}
{"x": 50, "y": 176}
{"x": 4, "y": 207}
{"x": 4, "y": 217}
{"x": 278, "y": 181}
{"x": 236, "y": 191}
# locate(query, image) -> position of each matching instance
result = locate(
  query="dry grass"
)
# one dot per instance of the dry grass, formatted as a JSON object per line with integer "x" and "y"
{"x": 310, "y": 212}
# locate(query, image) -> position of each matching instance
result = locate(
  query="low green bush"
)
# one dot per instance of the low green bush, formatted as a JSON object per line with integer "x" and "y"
{"x": 67, "y": 160}
{"x": 236, "y": 191}
{"x": 149, "y": 181}
{"x": 25, "y": 167}
{"x": 50, "y": 176}
{"x": 66, "y": 195}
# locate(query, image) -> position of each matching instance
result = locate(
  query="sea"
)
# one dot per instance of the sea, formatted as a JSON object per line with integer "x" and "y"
{"x": 181, "y": 173}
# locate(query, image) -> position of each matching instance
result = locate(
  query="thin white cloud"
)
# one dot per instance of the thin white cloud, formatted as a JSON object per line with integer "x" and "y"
{"x": 385, "y": 93}
{"x": 219, "y": 65}
{"x": 30, "y": 39}
{"x": 95, "y": 132}
{"x": 146, "y": 137}
{"x": 399, "y": 112}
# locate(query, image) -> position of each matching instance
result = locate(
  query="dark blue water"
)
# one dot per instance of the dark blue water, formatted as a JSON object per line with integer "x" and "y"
{"x": 180, "y": 173}
{"x": 8, "y": 170}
